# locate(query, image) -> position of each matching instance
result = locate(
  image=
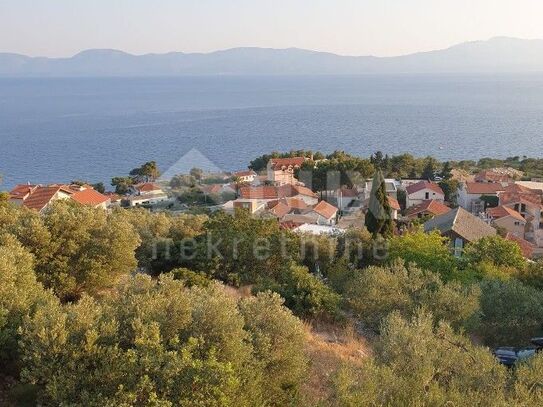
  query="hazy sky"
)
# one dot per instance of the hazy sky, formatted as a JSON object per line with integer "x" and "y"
{"x": 353, "y": 27}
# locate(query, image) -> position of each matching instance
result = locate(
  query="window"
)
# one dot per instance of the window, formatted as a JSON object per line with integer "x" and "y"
{"x": 427, "y": 195}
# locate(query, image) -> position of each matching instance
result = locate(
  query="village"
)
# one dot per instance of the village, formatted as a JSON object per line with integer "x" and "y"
{"x": 487, "y": 203}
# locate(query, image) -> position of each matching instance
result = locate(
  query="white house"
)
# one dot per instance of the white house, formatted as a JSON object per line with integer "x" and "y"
{"x": 247, "y": 176}
{"x": 391, "y": 187}
{"x": 423, "y": 191}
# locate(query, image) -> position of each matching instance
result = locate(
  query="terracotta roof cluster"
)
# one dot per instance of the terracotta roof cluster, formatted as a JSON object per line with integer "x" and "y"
{"x": 273, "y": 192}
{"x": 504, "y": 211}
{"x": 484, "y": 188}
{"x": 529, "y": 198}
{"x": 429, "y": 207}
{"x": 419, "y": 186}
{"x": 461, "y": 223}
{"x": 281, "y": 163}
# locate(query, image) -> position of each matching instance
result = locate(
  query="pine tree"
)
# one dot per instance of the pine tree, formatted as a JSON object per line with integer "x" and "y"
{"x": 429, "y": 170}
{"x": 378, "y": 218}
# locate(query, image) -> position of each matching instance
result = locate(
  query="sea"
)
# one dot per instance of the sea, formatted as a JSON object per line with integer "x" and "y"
{"x": 62, "y": 129}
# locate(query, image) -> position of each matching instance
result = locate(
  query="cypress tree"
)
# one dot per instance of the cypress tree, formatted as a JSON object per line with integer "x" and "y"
{"x": 378, "y": 217}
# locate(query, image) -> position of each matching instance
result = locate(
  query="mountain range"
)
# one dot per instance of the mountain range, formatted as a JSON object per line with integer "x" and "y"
{"x": 497, "y": 55}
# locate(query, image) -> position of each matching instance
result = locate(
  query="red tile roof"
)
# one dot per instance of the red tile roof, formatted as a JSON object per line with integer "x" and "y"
{"x": 503, "y": 211}
{"x": 296, "y": 203}
{"x": 281, "y": 209}
{"x": 280, "y": 163}
{"x": 41, "y": 197}
{"x": 394, "y": 204}
{"x": 147, "y": 187}
{"x": 484, "y": 188}
{"x": 325, "y": 209}
{"x": 419, "y": 186}
{"x": 526, "y": 247}
{"x": 90, "y": 197}
{"x": 528, "y": 199}
{"x": 431, "y": 207}
{"x": 21, "y": 191}
{"x": 272, "y": 192}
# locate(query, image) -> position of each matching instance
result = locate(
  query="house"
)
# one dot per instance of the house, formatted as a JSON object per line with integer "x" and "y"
{"x": 461, "y": 227}
{"x": 92, "y": 198}
{"x": 423, "y": 191}
{"x": 509, "y": 219}
{"x": 346, "y": 197}
{"x": 391, "y": 187}
{"x": 427, "y": 208}
{"x": 266, "y": 193}
{"x": 470, "y": 195}
{"x": 395, "y": 207}
{"x": 247, "y": 176}
{"x": 323, "y": 213}
{"x": 280, "y": 171}
{"x": 529, "y": 204}
{"x": 146, "y": 193}
{"x": 248, "y": 204}
{"x": 38, "y": 197}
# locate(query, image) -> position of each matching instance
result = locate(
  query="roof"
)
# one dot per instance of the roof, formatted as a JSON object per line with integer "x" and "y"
{"x": 90, "y": 197}
{"x": 280, "y": 163}
{"x": 493, "y": 176}
{"x": 503, "y": 211}
{"x": 147, "y": 187}
{"x": 484, "y": 188}
{"x": 528, "y": 199}
{"x": 419, "y": 186}
{"x": 526, "y": 247}
{"x": 319, "y": 229}
{"x": 296, "y": 203}
{"x": 461, "y": 222}
{"x": 430, "y": 206}
{"x": 260, "y": 192}
{"x": 22, "y": 190}
{"x": 211, "y": 189}
{"x": 41, "y": 197}
{"x": 281, "y": 209}
{"x": 245, "y": 173}
{"x": 292, "y": 218}
{"x": 325, "y": 209}
{"x": 394, "y": 204}
{"x": 533, "y": 185}
{"x": 272, "y": 192}
{"x": 349, "y": 192}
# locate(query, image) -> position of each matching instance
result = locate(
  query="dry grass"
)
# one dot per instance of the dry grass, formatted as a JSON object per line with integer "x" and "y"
{"x": 329, "y": 347}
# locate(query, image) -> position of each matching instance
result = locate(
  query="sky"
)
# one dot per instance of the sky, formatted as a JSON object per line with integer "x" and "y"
{"x": 59, "y": 28}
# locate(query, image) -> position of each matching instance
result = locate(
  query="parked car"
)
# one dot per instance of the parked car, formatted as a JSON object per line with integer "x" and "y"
{"x": 509, "y": 356}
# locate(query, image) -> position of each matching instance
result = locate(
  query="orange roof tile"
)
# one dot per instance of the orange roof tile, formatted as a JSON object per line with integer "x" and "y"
{"x": 280, "y": 163}
{"x": 90, "y": 197}
{"x": 503, "y": 211}
{"x": 526, "y": 247}
{"x": 325, "y": 209}
{"x": 431, "y": 207}
{"x": 41, "y": 197}
{"x": 147, "y": 187}
{"x": 394, "y": 204}
{"x": 484, "y": 188}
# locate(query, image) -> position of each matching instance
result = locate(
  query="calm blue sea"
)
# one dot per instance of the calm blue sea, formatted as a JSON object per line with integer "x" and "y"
{"x": 54, "y": 130}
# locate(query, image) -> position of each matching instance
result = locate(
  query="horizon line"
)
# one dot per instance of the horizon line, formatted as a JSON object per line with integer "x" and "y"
{"x": 503, "y": 37}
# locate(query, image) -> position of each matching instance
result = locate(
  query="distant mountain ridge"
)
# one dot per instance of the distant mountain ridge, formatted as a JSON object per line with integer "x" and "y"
{"x": 497, "y": 55}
